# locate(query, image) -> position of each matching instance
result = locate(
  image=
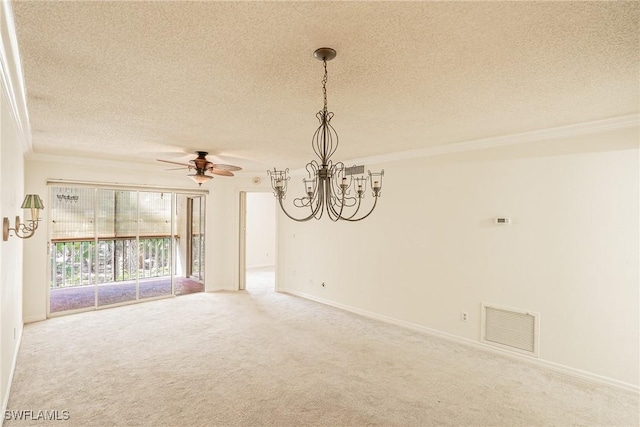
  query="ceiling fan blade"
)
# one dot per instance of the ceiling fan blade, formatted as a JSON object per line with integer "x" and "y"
{"x": 220, "y": 172}
{"x": 175, "y": 169}
{"x": 223, "y": 167}
{"x": 175, "y": 163}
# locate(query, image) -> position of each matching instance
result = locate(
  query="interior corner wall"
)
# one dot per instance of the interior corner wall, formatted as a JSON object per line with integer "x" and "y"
{"x": 432, "y": 249}
{"x": 220, "y": 267}
{"x": 260, "y": 226}
{"x": 226, "y": 259}
{"x": 11, "y": 275}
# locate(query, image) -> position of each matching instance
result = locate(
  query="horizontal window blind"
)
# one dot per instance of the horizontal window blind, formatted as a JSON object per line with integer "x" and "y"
{"x": 155, "y": 214}
{"x": 72, "y": 213}
{"x": 83, "y": 213}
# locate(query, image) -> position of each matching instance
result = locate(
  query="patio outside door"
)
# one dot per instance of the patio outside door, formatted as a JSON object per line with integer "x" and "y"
{"x": 117, "y": 246}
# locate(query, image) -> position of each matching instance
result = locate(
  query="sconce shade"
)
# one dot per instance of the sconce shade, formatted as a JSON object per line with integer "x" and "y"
{"x": 32, "y": 201}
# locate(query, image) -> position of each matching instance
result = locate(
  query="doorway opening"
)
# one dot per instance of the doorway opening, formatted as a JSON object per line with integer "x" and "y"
{"x": 257, "y": 241}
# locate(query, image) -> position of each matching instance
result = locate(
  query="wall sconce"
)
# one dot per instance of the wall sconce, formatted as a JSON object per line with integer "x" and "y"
{"x": 24, "y": 231}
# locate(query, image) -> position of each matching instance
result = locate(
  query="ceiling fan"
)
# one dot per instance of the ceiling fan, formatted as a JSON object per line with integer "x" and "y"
{"x": 201, "y": 165}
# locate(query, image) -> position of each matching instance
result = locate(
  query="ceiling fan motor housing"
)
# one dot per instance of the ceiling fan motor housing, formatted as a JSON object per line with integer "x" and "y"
{"x": 201, "y": 161}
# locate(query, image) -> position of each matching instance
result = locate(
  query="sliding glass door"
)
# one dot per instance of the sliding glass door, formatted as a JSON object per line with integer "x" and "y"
{"x": 155, "y": 244}
{"x": 114, "y": 246}
{"x": 117, "y": 246}
{"x": 72, "y": 250}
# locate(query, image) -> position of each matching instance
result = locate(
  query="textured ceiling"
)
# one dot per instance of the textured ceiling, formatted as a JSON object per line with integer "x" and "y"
{"x": 144, "y": 80}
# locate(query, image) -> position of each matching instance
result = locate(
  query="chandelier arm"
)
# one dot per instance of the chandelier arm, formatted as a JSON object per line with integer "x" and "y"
{"x": 315, "y": 196}
{"x": 314, "y": 210}
{"x": 312, "y": 169}
{"x": 330, "y": 206}
{"x": 321, "y": 201}
{"x": 375, "y": 202}
{"x": 292, "y": 217}
{"x": 356, "y": 211}
{"x": 302, "y": 202}
{"x": 347, "y": 202}
{"x": 337, "y": 173}
{"x": 337, "y": 215}
{"x": 338, "y": 194}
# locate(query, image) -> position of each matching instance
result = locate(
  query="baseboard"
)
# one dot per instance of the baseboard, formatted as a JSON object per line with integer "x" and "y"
{"x": 32, "y": 319}
{"x": 476, "y": 344}
{"x": 222, "y": 289}
{"x": 260, "y": 266}
{"x": 5, "y": 401}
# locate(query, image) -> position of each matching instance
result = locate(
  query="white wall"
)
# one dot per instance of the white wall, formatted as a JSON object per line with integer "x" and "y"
{"x": 431, "y": 249}
{"x": 261, "y": 231}
{"x": 12, "y": 147}
{"x": 11, "y": 278}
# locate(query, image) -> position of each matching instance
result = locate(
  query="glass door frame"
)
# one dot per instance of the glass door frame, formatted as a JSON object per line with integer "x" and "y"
{"x": 201, "y": 212}
{"x": 119, "y": 187}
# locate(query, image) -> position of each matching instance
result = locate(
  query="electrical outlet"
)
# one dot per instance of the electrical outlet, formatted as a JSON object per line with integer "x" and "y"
{"x": 463, "y": 316}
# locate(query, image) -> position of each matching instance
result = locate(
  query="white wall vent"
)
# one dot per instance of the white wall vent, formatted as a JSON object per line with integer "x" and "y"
{"x": 511, "y": 329}
{"x": 354, "y": 170}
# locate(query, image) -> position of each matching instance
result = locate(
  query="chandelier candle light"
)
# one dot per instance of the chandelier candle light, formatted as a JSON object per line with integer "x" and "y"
{"x": 330, "y": 187}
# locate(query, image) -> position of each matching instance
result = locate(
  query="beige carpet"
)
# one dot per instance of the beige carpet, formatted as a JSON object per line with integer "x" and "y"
{"x": 258, "y": 358}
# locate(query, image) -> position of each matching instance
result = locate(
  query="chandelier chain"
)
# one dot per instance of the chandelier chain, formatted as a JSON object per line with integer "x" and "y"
{"x": 324, "y": 84}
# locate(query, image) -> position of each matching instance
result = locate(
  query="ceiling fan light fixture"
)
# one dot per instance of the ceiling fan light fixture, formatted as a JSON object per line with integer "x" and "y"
{"x": 200, "y": 178}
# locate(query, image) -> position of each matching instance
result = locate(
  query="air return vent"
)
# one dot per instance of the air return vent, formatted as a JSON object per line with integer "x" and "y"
{"x": 511, "y": 329}
{"x": 354, "y": 170}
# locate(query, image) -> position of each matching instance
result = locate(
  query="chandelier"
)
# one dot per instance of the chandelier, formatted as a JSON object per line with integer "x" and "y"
{"x": 329, "y": 187}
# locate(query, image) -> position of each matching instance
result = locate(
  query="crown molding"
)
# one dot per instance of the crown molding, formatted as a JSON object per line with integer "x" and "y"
{"x": 586, "y": 128}
{"x": 631, "y": 120}
{"x": 93, "y": 161}
{"x": 596, "y": 126}
{"x": 13, "y": 88}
